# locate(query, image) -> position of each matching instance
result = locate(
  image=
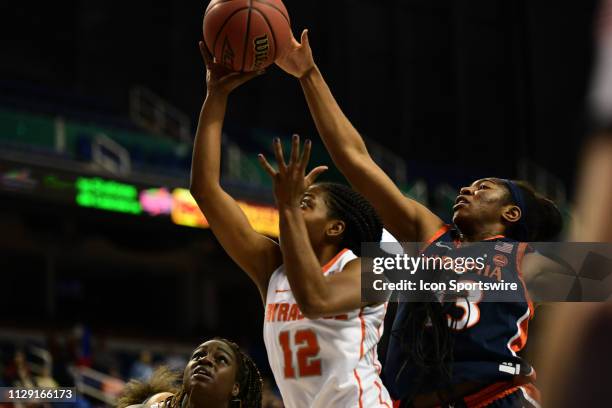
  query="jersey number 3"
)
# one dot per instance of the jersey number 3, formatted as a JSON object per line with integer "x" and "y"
{"x": 306, "y": 348}
{"x": 470, "y": 312}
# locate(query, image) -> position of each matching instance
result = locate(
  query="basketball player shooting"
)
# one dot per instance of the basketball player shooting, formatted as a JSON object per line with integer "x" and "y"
{"x": 321, "y": 340}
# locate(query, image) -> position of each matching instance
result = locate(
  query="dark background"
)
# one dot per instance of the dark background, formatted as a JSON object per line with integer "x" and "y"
{"x": 457, "y": 88}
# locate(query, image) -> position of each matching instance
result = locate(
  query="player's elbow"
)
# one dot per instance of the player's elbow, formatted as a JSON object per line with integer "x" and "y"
{"x": 196, "y": 187}
{"x": 352, "y": 154}
{"x": 314, "y": 308}
{"x": 198, "y": 195}
{"x": 353, "y": 162}
{"x": 202, "y": 192}
{"x": 311, "y": 313}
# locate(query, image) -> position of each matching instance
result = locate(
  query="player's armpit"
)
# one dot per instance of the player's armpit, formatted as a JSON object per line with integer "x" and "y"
{"x": 255, "y": 253}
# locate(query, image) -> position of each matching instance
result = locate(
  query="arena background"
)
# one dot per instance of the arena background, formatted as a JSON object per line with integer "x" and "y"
{"x": 103, "y": 266}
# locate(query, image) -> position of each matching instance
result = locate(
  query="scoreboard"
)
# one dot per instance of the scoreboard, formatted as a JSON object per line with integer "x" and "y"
{"x": 115, "y": 195}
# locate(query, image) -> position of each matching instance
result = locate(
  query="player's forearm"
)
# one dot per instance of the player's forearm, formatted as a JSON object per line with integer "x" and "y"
{"x": 341, "y": 138}
{"x": 301, "y": 264}
{"x": 593, "y": 214}
{"x": 206, "y": 159}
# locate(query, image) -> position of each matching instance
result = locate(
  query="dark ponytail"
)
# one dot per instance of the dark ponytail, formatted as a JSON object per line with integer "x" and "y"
{"x": 362, "y": 223}
{"x": 427, "y": 342}
{"x": 543, "y": 219}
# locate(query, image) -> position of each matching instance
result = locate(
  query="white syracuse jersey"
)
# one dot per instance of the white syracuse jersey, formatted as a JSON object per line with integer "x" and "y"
{"x": 327, "y": 362}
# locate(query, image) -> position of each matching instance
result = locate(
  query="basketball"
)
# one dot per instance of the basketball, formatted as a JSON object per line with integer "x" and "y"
{"x": 247, "y": 35}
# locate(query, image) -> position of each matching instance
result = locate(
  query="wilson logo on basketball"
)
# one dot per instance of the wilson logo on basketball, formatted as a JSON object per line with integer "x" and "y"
{"x": 261, "y": 46}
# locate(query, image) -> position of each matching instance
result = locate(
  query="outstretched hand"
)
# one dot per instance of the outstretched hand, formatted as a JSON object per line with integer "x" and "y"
{"x": 298, "y": 61}
{"x": 290, "y": 180}
{"x": 219, "y": 79}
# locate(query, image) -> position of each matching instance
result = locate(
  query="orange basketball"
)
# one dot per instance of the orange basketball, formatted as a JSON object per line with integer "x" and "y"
{"x": 247, "y": 35}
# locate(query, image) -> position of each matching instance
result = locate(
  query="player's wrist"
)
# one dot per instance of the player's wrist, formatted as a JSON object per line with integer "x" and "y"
{"x": 217, "y": 94}
{"x": 308, "y": 72}
{"x": 288, "y": 206}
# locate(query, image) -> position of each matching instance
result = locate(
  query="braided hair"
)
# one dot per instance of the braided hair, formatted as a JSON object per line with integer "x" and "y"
{"x": 248, "y": 378}
{"x": 362, "y": 223}
{"x": 426, "y": 338}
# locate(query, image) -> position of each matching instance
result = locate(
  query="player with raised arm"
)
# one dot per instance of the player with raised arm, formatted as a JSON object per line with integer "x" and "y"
{"x": 437, "y": 357}
{"x": 321, "y": 341}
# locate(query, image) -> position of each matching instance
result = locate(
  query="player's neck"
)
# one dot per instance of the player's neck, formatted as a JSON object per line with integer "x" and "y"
{"x": 326, "y": 253}
{"x": 483, "y": 233}
{"x": 192, "y": 402}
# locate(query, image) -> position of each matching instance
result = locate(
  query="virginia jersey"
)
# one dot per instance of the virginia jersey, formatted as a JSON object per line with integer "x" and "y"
{"x": 326, "y": 362}
{"x": 487, "y": 335}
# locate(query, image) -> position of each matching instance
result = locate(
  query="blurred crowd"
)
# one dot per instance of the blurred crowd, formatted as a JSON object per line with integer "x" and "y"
{"x": 98, "y": 372}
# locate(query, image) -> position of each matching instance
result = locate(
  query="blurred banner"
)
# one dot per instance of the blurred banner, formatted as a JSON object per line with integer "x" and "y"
{"x": 120, "y": 196}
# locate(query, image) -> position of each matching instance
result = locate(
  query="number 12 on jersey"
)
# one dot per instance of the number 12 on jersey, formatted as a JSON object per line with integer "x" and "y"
{"x": 302, "y": 348}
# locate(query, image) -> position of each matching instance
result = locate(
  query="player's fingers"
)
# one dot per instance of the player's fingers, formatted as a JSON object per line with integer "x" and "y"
{"x": 232, "y": 76}
{"x": 239, "y": 78}
{"x": 305, "y": 155}
{"x": 314, "y": 173}
{"x": 205, "y": 54}
{"x": 266, "y": 166}
{"x": 295, "y": 44}
{"x": 304, "y": 40}
{"x": 295, "y": 150}
{"x": 278, "y": 153}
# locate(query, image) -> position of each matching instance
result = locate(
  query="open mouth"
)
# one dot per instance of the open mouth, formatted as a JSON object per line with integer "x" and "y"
{"x": 203, "y": 372}
{"x": 460, "y": 201}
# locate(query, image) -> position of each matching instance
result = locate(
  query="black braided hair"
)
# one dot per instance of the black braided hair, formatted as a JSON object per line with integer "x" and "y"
{"x": 248, "y": 378}
{"x": 543, "y": 219}
{"x": 362, "y": 223}
{"x": 427, "y": 342}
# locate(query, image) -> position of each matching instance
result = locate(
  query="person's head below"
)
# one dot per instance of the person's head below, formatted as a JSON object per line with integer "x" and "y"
{"x": 220, "y": 375}
{"x": 493, "y": 206}
{"x": 162, "y": 385}
{"x": 337, "y": 215}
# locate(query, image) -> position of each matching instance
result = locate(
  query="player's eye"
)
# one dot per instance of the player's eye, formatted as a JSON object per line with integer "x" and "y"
{"x": 223, "y": 360}
{"x": 482, "y": 186}
{"x": 199, "y": 355}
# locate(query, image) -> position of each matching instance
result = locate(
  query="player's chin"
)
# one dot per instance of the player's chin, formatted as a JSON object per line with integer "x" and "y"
{"x": 460, "y": 213}
{"x": 198, "y": 380}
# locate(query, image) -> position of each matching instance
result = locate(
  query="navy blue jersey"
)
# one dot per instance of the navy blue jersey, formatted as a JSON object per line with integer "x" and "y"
{"x": 487, "y": 335}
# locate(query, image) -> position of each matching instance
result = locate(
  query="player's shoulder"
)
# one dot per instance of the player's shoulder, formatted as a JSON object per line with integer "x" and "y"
{"x": 340, "y": 261}
{"x": 446, "y": 232}
{"x": 346, "y": 257}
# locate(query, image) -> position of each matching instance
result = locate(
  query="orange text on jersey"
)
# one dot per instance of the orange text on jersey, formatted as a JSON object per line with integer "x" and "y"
{"x": 286, "y": 312}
